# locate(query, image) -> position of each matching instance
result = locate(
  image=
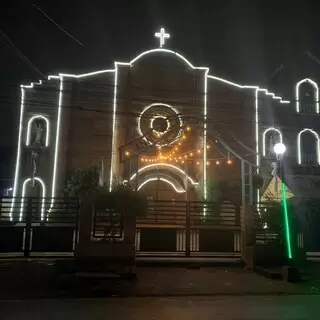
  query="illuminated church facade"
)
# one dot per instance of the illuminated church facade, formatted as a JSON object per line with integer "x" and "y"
{"x": 162, "y": 124}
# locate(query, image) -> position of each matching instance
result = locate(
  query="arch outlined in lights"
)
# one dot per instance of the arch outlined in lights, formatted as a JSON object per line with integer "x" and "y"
{"x": 264, "y": 138}
{"x": 316, "y": 89}
{"x": 160, "y": 179}
{"x": 29, "y": 129}
{"x": 43, "y": 187}
{"x": 299, "y": 144}
{"x": 164, "y": 165}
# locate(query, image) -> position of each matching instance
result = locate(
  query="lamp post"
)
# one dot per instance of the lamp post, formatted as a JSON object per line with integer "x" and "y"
{"x": 279, "y": 150}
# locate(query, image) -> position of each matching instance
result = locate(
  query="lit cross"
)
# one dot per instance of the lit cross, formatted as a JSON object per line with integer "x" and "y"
{"x": 162, "y": 35}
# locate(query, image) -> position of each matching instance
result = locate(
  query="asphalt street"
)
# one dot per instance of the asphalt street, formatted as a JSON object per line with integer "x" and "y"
{"x": 295, "y": 307}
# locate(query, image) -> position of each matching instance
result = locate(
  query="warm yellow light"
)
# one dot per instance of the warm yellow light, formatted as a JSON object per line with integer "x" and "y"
{"x": 179, "y": 143}
{"x": 191, "y": 154}
{"x": 208, "y": 163}
{"x": 199, "y": 151}
{"x": 184, "y": 137}
{"x": 127, "y": 153}
{"x": 217, "y": 162}
{"x": 186, "y": 156}
{"x": 188, "y": 128}
{"x": 229, "y": 161}
{"x": 176, "y": 148}
{"x": 176, "y": 160}
{"x": 142, "y": 160}
{"x": 182, "y": 161}
{"x": 180, "y": 158}
{"x": 198, "y": 163}
{"x": 208, "y": 147}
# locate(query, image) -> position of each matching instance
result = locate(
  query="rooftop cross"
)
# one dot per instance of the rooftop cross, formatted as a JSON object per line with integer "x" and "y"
{"x": 162, "y": 35}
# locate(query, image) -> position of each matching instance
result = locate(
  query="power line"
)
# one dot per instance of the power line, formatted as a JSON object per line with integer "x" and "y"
{"x": 57, "y": 25}
{"x": 11, "y": 45}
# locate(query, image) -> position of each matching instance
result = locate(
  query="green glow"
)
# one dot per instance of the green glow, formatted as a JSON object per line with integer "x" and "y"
{"x": 286, "y": 220}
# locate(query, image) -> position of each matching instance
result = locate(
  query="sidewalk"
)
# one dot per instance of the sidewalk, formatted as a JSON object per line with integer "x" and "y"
{"x": 41, "y": 280}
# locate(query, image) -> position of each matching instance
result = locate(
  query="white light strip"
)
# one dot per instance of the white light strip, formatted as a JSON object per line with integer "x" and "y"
{"x": 205, "y": 136}
{"x": 250, "y": 87}
{"x": 145, "y": 182}
{"x": 29, "y": 128}
{"x": 299, "y": 144}
{"x": 164, "y": 165}
{"x": 257, "y": 128}
{"x": 113, "y": 125}
{"x": 315, "y": 86}
{"x": 43, "y": 195}
{"x": 161, "y": 179}
{"x": 56, "y": 150}
{"x": 264, "y": 138}
{"x": 17, "y": 168}
{"x": 80, "y": 75}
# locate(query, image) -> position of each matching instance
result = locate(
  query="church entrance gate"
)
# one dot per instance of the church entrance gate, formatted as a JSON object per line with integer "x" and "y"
{"x": 189, "y": 228}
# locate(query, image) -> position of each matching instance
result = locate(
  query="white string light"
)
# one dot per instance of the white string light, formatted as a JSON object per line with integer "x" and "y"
{"x": 264, "y": 138}
{"x": 299, "y": 144}
{"x": 316, "y": 89}
{"x": 43, "y": 195}
{"x": 168, "y": 165}
{"x": 160, "y": 179}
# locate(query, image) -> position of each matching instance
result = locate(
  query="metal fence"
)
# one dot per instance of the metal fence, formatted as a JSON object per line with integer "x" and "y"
{"x": 38, "y": 226}
{"x": 189, "y": 228}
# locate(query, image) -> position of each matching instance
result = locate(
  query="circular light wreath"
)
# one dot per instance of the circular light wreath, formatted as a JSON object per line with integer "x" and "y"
{"x": 160, "y": 124}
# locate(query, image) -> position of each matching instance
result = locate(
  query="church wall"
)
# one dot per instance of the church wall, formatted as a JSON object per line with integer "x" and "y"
{"x": 41, "y": 100}
{"x": 231, "y": 118}
{"x": 86, "y": 127}
{"x": 158, "y": 78}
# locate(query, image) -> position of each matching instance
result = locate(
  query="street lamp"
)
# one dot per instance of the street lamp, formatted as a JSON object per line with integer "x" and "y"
{"x": 279, "y": 150}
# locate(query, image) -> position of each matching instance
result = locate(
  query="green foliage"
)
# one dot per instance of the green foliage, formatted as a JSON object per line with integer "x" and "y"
{"x": 124, "y": 200}
{"x": 83, "y": 182}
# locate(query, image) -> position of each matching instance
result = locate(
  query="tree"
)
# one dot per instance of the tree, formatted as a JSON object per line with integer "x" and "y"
{"x": 83, "y": 182}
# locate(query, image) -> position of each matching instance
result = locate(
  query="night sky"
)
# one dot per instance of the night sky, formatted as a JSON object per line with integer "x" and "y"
{"x": 240, "y": 40}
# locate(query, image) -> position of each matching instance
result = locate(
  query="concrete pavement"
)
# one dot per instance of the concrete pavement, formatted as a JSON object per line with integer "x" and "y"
{"x": 271, "y": 307}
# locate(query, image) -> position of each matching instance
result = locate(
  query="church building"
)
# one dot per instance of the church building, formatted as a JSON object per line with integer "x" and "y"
{"x": 163, "y": 124}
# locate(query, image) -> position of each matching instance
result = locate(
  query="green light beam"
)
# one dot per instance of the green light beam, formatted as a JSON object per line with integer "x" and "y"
{"x": 286, "y": 220}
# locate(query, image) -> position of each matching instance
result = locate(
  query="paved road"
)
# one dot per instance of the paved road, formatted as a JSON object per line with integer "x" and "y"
{"x": 223, "y": 307}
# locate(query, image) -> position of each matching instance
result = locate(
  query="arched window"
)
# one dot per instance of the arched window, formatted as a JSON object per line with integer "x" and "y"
{"x": 308, "y": 144}
{"x": 38, "y": 131}
{"x": 307, "y": 96}
{"x": 270, "y": 137}
{"x": 34, "y": 188}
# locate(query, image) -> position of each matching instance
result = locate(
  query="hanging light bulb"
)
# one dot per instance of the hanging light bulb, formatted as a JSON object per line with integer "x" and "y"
{"x": 179, "y": 143}
{"x": 184, "y": 137}
{"x": 208, "y": 147}
{"x": 182, "y": 161}
{"x": 198, "y": 163}
{"x": 217, "y": 162}
{"x": 229, "y": 161}
{"x": 208, "y": 163}
{"x": 191, "y": 154}
{"x": 199, "y": 151}
{"x": 185, "y": 156}
{"x": 188, "y": 128}
{"x": 176, "y": 148}
{"x": 127, "y": 153}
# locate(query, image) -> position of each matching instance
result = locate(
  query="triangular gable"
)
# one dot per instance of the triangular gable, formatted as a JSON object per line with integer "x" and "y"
{"x": 273, "y": 191}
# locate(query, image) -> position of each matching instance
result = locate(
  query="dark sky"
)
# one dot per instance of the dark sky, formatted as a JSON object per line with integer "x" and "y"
{"x": 241, "y": 40}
